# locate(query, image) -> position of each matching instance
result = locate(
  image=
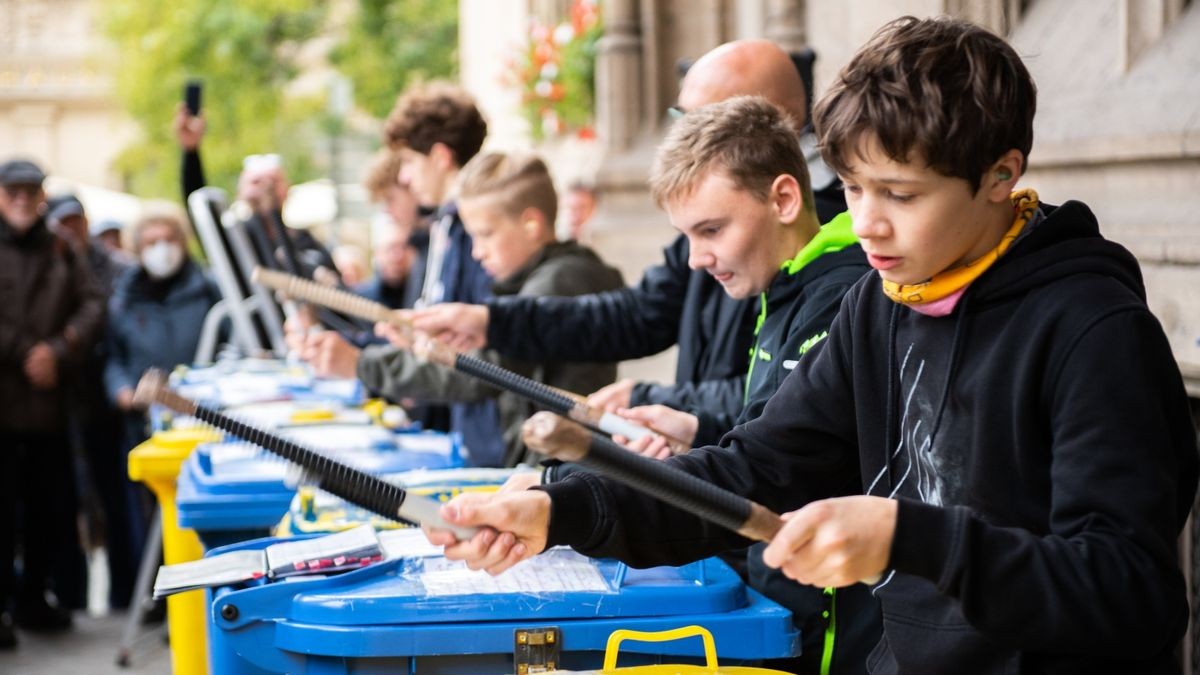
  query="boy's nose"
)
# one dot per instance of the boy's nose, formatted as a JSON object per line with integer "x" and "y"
{"x": 868, "y": 221}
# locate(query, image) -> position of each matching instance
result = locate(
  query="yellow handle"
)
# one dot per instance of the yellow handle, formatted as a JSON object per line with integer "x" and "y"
{"x": 614, "y": 642}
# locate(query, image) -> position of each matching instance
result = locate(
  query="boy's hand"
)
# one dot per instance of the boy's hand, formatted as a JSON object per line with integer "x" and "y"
{"x": 672, "y": 422}
{"x": 835, "y": 542}
{"x": 613, "y": 396}
{"x": 330, "y": 355}
{"x": 652, "y": 446}
{"x": 521, "y": 481}
{"x": 462, "y": 326}
{"x": 396, "y": 336}
{"x": 513, "y": 526}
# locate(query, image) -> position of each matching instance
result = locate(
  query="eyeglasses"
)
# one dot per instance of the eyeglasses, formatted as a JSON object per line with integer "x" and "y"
{"x": 29, "y": 190}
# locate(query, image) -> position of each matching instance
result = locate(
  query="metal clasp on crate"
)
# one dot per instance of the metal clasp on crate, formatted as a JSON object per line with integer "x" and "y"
{"x": 536, "y": 650}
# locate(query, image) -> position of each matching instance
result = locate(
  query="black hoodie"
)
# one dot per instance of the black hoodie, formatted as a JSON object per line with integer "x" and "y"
{"x": 1042, "y": 478}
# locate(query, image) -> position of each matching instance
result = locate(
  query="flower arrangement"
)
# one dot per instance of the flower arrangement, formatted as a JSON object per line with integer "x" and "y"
{"x": 555, "y": 71}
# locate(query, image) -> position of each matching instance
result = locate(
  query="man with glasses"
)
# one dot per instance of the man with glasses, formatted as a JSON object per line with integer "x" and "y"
{"x": 50, "y": 313}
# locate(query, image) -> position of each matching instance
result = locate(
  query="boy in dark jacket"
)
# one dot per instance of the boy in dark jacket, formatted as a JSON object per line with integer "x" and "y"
{"x": 508, "y": 203}
{"x": 724, "y": 175}
{"x": 999, "y": 391}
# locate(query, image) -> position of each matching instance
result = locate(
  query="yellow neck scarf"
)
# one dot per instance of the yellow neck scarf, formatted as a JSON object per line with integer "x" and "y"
{"x": 945, "y": 284}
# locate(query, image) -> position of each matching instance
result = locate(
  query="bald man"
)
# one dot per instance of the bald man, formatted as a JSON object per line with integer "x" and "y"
{"x": 762, "y": 67}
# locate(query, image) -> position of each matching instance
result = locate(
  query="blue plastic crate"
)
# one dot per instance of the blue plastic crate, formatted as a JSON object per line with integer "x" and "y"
{"x": 380, "y": 619}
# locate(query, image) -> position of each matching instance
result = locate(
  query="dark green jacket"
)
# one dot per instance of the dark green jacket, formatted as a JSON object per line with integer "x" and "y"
{"x": 561, "y": 269}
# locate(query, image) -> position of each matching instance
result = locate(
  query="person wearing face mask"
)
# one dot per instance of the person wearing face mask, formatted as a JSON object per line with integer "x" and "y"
{"x": 50, "y": 312}
{"x": 154, "y": 321}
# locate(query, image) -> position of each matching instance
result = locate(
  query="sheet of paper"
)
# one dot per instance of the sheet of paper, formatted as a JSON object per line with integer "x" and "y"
{"x": 540, "y": 574}
{"x": 407, "y": 543}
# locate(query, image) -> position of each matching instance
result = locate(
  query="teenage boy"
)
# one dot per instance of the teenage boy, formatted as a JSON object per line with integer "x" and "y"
{"x": 508, "y": 204}
{"x": 436, "y": 129}
{"x": 672, "y": 304}
{"x": 1021, "y": 430}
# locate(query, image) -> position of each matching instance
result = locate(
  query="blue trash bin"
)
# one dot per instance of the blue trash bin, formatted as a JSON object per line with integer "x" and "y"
{"x": 231, "y": 492}
{"x": 382, "y": 619}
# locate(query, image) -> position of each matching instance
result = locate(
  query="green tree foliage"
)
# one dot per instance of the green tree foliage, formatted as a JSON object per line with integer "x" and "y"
{"x": 244, "y": 51}
{"x": 392, "y": 43}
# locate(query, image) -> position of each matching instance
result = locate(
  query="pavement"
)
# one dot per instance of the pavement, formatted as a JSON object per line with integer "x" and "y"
{"x": 90, "y": 646}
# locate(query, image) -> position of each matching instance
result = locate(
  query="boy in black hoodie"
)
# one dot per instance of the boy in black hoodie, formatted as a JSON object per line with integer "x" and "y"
{"x": 1019, "y": 424}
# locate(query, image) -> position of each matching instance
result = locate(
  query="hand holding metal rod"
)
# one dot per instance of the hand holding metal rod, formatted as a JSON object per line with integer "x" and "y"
{"x": 564, "y": 440}
{"x": 556, "y": 400}
{"x": 351, "y": 484}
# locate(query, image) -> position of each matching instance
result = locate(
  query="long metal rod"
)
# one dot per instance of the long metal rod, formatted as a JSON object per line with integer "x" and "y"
{"x": 556, "y": 400}
{"x": 351, "y": 484}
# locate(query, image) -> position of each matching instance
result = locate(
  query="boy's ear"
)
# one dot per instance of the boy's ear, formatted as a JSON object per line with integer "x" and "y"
{"x": 533, "y": 222}
{"x": 786, "y": 197}
{"x": 1001, "y": 179}
{"x": 442, "y": 156}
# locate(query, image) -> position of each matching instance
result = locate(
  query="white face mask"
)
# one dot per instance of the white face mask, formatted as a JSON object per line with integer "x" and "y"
{"x": 162, "y": 259}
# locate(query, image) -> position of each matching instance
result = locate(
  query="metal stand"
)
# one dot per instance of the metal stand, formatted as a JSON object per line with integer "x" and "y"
{"x": 141, "y": 589}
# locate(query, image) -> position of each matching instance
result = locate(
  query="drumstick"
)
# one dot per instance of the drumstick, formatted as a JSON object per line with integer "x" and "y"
{"x": 351, "y": 484}
{"x": 561, "y": 439}
{"x": 556, "y": 400}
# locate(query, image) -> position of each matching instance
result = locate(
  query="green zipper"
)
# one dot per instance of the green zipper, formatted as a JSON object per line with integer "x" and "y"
{"x": 830, "y": 631}
{"x": 833, "y": 236}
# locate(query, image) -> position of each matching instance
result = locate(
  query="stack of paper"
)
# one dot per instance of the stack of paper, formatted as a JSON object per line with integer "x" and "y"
{"x": 339, "y": 552}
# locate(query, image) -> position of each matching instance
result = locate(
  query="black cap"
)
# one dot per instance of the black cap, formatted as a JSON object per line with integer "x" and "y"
{"x": 65, "y": 206}
{"x": 21, "y": 172}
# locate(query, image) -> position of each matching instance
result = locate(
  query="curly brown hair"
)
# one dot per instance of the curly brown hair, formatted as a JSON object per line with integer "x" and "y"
{"x": 436, "y": 112}
{"x": 948, "y": 90}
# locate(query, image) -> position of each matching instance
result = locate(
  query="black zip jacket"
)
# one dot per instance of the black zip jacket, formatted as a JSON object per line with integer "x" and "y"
{"x": 1038, "y": 440}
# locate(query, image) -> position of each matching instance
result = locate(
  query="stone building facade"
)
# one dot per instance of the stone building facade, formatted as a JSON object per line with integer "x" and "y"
{"x": 1118, "y": 121}
{"x": 56, "y": 104}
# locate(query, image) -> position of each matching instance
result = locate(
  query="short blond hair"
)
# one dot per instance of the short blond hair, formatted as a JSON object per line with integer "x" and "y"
{"x": 156, "y": 212}
{"x": 382, "y": 174}
{"x": 512, "y": 182}
{"x": 748, "y": 138}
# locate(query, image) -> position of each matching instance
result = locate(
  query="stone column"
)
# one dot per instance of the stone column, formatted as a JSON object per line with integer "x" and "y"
{"x": 619, "y": 75}
{"x": 785, "y": 24}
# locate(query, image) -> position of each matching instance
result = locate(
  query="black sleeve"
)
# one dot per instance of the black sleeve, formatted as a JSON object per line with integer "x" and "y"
{"x": 191, "y": 173}
{"x": 801, "y": 448}
{"x": 1105, "y": 578}
{"x": 616, "y": 325}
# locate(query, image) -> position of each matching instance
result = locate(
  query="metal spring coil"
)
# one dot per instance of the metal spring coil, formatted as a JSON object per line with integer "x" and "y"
{"x": 352, "y": 485}
{"x": 518, "y": 384}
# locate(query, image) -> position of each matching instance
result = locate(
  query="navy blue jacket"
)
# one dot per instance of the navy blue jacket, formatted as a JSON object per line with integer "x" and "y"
{"x": 150, "y": 328}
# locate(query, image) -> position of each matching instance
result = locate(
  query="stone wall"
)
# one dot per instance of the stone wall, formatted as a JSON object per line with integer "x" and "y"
{"x": 55, "y": 103}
